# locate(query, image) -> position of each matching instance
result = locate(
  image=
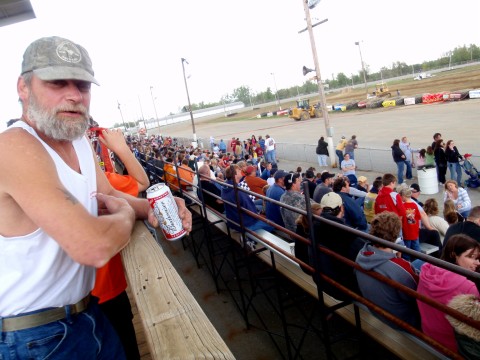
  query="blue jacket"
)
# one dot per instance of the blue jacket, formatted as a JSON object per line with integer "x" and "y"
{"x": 273, "y": 210}
{"x": 228, "y": 194}
{"x": 354, "y": 215}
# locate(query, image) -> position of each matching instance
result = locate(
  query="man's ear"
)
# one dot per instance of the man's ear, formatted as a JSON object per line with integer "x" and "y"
{"x": 22, "y": 89}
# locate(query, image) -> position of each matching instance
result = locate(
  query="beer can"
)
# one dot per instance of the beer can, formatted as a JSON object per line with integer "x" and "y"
{"x": 165, "y": 209}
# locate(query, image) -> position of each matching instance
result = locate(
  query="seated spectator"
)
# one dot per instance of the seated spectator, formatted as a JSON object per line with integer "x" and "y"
{"x": 293, "y": 197}
{"x": 387, "y": 262}
{"x": 208, "y": 187}
{"x": 266, "y": 172}
{"x": 233, "y": 213}
{"x": 353, "y": 213}
{"x": 459, "y": 196}
{"x": 362, "y": 184}
{"x": 416, "y": 193}
{"x": 255, "y": 184}
{"x": 468, "y": 338}
{"x": 470, "y": 227}
{"x": 275, "y": 192}
{"x": 303, "y": 229}
{"x": 450, "y": 213}
{"x": 186, "y": 175}
{"x": 309, "y": 181}
{"x": 170, "y": 175}
{"x": 443, "y": 285}
{"x": 324, "y": 187}
{"x": 437, "y": 222}
{"x": 339, "y": 240}
{"x": 369, "y": 201}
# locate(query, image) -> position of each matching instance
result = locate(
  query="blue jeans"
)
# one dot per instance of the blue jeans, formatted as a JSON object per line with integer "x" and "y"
{"x": 400, "y": 167}
{"x": 88, "y": 335}
{"x": 455, "y": 172}
{"x": 408, "y": 175}
{"x": 340, "y": 157}
{"x": 259, "y": 224}
{"x": 322, "y": 160}
{"x": 413, "y": 245}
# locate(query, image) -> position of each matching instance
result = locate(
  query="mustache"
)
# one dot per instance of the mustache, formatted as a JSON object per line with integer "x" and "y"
{"x": 78, "y": 108}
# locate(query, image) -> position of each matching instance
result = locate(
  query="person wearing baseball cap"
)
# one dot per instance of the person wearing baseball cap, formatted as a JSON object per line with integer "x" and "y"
{"x": 275, "y": 192}
{"x": 45, "y": 282}
{"x": 324, "y": 187}
{"x": 341, "y": 241}
{"x": 416, "y": 193}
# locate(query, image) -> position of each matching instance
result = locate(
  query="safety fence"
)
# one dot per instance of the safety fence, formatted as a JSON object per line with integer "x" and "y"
{"x": 229, "y": 257}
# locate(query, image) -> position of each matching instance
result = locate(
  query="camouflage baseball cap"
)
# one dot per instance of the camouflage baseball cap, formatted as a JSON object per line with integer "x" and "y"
{"x": 56, "y": 58}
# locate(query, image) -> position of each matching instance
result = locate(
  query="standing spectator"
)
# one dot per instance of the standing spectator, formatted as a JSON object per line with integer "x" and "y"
{"x": 442, "y": 285}
{"x": 437, "y": 222}
{"x": 386, "y": 262}
{"x": 324, "y": 187}
{"x": 352, "y": 144}
{"x": 322, "y": 152}
{"x": 407, "y": 151}
{"x": 399, "y": 158}
{"x": 253, "y": 140}
{"x": 339, "y": 150}
{"x": 212, "y": 142}
{"x": 410, "y": 222}
{"x": 453, "y": 162}
{"x": 270, "y": 146}
{"x": 275, "y": 192}
{"x": 440, "y": 160}
{"x": 436, "y": 137}
{"x": 387, "y": 200}
{"x": 459, "y": 196}
{"x": 348, "y": 169}
{"x": 261, "y": 142}
{"x": 222, "y": 146}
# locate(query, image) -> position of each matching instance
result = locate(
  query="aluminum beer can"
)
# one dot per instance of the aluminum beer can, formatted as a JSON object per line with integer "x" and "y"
{"x": 165, "y": 209}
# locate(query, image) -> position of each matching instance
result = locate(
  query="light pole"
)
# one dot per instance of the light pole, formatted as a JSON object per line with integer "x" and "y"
{"x": 321, "y": 91}
{"x": 141, "y": 112}
{"x": 363, "y": 68}
{"x": 189, "y": 105}
{"x": 276, "y": 90}
{"x": 155, "y": 108}
{"x": 121, "y": 114}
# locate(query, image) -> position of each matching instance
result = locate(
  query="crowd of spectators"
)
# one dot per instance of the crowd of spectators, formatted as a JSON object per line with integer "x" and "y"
{"x": 384, "y": 207}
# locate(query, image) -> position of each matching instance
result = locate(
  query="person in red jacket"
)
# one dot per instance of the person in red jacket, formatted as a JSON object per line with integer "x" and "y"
{"x": 110, "y": 284}
{"x": 387, "y": 199}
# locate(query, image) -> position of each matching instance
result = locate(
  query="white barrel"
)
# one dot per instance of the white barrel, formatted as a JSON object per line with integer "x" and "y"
{"x": 427, "y": 180}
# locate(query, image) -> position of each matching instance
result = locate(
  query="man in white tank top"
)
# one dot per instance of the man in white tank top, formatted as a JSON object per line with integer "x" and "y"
{"x": 52, "y": 232}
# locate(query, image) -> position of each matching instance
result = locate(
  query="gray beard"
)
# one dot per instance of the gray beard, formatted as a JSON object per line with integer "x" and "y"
{"x": 55, "y": 126}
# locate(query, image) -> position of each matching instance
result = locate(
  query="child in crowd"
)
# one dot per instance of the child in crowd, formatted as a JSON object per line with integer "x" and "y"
{"x": 411, "y": 221}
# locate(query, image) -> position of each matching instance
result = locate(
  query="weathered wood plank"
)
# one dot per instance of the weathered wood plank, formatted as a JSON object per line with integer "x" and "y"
{"x": 175, "y": 325}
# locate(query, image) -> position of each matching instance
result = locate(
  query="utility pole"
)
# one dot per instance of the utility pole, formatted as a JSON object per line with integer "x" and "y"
{"x": 189, "y": 105}
{"x": 323, "y": 101}
{"x": 363, "y": 69}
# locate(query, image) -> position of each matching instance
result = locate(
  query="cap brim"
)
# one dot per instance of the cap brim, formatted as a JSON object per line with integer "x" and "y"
{"x": 64, "y": 73}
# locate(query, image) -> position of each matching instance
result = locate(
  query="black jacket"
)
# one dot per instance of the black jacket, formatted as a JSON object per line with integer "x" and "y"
{"x": 440, "y": 157}
{"x": 322, "y": 147}
{"x": 453, "y": 155}
{"x": 397, "y": 154}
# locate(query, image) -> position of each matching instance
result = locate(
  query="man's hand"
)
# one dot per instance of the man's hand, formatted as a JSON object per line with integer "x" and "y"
{"x": 111, "y": 205}
{"x": 114, "y": 140}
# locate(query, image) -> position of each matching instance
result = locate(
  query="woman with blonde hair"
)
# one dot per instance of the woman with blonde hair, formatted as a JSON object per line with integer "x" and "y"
{"x": 460, "y": 197}
{"x": 450, "y": 213}
{"x": 437, "y": 222}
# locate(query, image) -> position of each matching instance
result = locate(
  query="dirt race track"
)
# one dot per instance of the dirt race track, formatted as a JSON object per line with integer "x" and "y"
{"x": 376, "y": 128}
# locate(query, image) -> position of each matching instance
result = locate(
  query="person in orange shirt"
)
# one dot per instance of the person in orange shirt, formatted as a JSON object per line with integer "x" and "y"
{"x": 256, "y": 184}
{"x": 186, "y": 175}
{"x": 110, "y": 284}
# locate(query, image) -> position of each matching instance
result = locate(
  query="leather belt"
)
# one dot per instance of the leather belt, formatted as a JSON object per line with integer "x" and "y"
{"x": 22, "y": 322}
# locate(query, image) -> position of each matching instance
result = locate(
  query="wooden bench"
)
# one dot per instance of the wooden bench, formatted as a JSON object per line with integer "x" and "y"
{"x": 174, "y": 324}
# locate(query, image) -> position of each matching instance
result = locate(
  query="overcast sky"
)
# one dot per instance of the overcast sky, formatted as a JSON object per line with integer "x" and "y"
{"x": 138, "y": 44}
